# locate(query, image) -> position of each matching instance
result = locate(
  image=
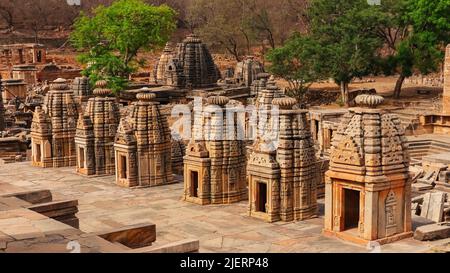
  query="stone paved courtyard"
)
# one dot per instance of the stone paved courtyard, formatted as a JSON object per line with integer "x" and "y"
{"x": 220, "y": 228}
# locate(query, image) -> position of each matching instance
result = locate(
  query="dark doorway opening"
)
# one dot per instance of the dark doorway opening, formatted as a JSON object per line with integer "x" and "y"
{"x": 123, "y": 167}
{"x": 21, "y": 61}
{"x": 316, "y": 135}
{"x": 38, "y": 153}
{"x": 262, "y": 197}
{"x": 194, "y": 184}
{"x": 351, "y": 213}
{"x": 81, "y": 151}
{"x": 39, "y": 56}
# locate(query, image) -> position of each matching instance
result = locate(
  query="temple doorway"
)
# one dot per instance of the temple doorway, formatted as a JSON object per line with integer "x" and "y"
{"x": 81, "y": 153}
{"x": 123, "y": 167}
{"x": 194, "y": 184}
{"x": 38, "y": 153}
{"x": 351, "y": 209}
{"x": 261, "y": 199}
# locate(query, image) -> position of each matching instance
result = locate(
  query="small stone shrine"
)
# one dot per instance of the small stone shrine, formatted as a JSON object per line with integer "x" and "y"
{"x": 282, "y": 175}
{"x": 53, "y": 128}
{"x": 143, "y": 145}
{"x": 214, "y": 165}
{"x": 96, "y": 131}
{"x": 368, "y": 187}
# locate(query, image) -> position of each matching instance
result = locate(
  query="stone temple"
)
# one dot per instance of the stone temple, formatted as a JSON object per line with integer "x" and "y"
{"x": 190, "y": 66}
{"x": 143, "y": 145}
{"x": 247, "y": 71}
{"x": 283, "y": 178}
{"x": 214, "y": 165}
{"x": 446, "y": 97}
{"x": 368, "y": 187}
{"x": 96, "y": 131}
{"x": 53, "y": 128}
{"x": 81, "y": 89}
{"x": 160, "y": 67}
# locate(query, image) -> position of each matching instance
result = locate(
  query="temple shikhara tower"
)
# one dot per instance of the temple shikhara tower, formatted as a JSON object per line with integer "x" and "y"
{"x": 81, "y": 89}
{"x": 247, "y": 71}
{"x": 53, "y": 128}
{"x": 282, "y": 175}
{"x": 446, "y": 98}
{"x": 189, "y": 66}
{"x": 214, "y": 165}
{"x": 96, "y": 131}
{"x": 143, "y": 145}
{"x": 368, "y": 187}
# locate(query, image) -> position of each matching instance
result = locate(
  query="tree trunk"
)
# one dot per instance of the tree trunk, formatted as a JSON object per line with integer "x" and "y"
{"x": 344, "y": 93}
{"x": 271, "y": 39}
{"x": 247, "y": 41}
{"x": 36, "y": 34}
{"x": 398, "y": 86}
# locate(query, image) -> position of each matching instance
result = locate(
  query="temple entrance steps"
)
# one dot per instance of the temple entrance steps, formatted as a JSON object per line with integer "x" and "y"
{"x": 420, "y": 146}
{"x": 409, "y": 120}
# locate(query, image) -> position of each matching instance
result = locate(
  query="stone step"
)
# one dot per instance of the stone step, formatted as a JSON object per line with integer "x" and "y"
{"x": 432, "y": 232}
{"x": 183, "y": 246}
{"x": 63, "y": 211}
{"x": 134, "y": 236}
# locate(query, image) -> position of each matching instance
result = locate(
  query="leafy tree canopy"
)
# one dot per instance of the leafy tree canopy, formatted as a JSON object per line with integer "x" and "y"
{"x": 414, "y": 31}
{"x": 341, "y": 43}
{"x": 111, "y": 39}
{"x": 297, "y": 61}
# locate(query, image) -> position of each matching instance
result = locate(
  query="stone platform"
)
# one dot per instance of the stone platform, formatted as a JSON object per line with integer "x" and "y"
{"x": 220, "y": 228}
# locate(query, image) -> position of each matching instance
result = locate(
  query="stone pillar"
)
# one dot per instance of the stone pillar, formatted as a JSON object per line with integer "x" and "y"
{"x": 446, "y": 98}
{"x": 2, "y": 108}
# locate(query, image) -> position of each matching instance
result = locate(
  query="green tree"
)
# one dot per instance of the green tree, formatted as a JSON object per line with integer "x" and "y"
{"x": 344, "y": 32}
{"x": 430, "y": 19}
{"x": 296, "y": 62}
{"x": 111, "y": 39}
{"x": 413, "y": 32}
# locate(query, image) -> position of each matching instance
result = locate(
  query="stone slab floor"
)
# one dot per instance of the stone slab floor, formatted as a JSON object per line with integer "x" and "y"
{"x": 220, "y": 228}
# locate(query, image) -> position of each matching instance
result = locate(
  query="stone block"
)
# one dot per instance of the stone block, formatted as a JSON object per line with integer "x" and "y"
{"x": 433, "y": 206}
{"x": 135, "y": 236}
{"x": 184, "y": 246}
{"x": 33, "y": 197}
{"x": 422, "y": 186}
{"x": 432, "y": 232}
